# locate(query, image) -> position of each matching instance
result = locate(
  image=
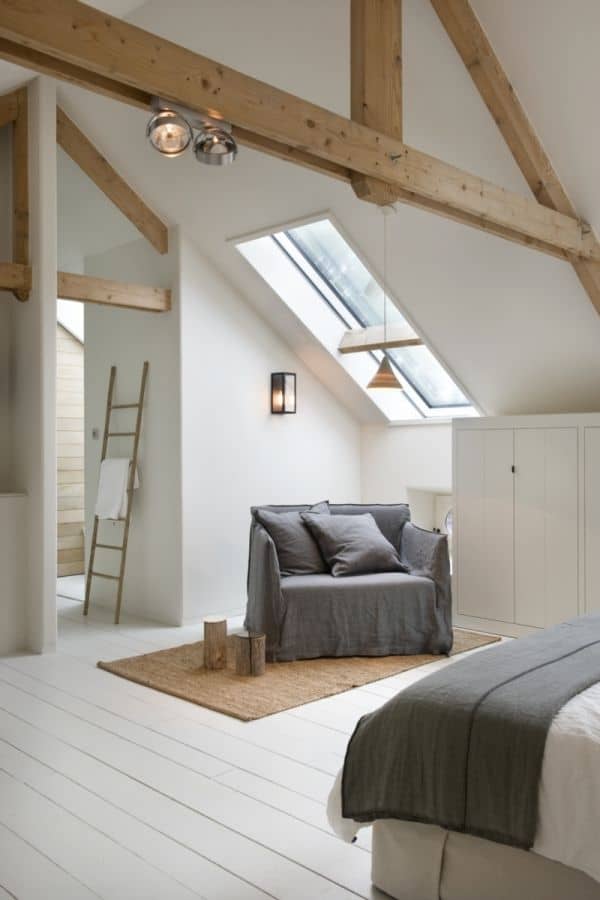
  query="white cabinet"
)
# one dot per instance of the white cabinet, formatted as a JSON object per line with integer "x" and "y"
{"x": 527, "y": 520}
{"x": 592, "y": 518}
{"x": 546, "y": 527}
{"x": 484, "y": 511}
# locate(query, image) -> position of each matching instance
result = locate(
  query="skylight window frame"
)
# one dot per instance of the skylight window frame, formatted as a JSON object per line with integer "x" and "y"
{"x": 413, "y": 392}
{"x": 334, "y": 301}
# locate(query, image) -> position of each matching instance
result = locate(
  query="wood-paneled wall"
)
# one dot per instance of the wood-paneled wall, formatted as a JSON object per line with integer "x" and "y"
{"x": 69, "y": 446}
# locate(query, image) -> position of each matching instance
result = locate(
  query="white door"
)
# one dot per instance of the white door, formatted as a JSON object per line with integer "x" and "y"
{"x": 484, "y": 524}
{"x": 592, "y": 519}
{"x": 546, "y": 525}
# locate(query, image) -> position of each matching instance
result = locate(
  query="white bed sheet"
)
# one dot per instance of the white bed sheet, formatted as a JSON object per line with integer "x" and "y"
{"x": 569, "y": 794}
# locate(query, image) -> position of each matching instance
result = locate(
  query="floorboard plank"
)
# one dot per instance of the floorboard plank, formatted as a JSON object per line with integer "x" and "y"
{"x": 310, "y": 862}
{"x": 201, "y": 876}
{"x": 78, "y": 848}
{"x": 26, "y": 874}
{"x": 233, "y": 751}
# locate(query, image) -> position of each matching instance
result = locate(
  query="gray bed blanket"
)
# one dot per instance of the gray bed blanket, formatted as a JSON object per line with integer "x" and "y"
{"x": 463, "y": 748}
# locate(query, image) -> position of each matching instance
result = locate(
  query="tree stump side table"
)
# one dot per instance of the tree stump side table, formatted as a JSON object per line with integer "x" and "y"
{"x": 250, "y": 653}
{"x": 215, "y": 642}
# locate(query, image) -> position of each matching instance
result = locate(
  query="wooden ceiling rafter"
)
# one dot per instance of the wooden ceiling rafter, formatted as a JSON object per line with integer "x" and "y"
{"x": 73, "y": 41}
{"x": 15, "y": 276}
{"x": 376, "y": 81}
{"x": 106, "y": 292}
{"x": 474, "y": 48}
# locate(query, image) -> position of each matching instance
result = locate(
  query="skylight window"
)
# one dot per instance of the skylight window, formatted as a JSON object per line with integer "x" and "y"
{"x": 318, "y": 274}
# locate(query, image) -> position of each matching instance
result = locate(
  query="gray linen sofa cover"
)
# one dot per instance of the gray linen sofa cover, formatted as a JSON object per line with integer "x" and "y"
{"x": 309, "y": 616}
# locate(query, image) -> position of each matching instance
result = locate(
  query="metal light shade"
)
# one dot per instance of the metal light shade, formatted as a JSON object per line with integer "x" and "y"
{"x": 215, "y": 146}
{"x": 169, "y": 132}
{"x": 283, "y": 392}
{"x": 385, "y": 377}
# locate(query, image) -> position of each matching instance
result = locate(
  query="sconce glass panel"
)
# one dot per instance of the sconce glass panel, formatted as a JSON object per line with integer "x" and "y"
{"x": 283, "y": 392}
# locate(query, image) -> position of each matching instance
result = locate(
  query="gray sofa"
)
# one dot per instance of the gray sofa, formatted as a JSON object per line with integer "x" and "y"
{"x": 309, "y": 616}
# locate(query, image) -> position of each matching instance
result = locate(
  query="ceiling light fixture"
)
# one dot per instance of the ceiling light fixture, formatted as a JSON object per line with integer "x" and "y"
{"x": 215, "y": 146}
{"x": 171, "y": 129}
{"x": 169, "y": 133}
{"x": 385, "y": 377}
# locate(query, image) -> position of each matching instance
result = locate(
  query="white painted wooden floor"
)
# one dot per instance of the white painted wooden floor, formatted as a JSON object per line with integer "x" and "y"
{"x": 109, "y": 789}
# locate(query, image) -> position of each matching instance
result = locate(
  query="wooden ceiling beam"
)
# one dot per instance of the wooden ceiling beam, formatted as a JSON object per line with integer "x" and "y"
{"x": 72, "y": 34}
{"x": 376, "y": 81}
{"x": 474, "y": 48}
{"x": 81, "y": 150}
{"x": 360, "y": 340}
{"x": 9, "y": 108}
{"x": 20, "y": 189}
{"x": 15, "y": 277}
{"x": 89, "y": 289}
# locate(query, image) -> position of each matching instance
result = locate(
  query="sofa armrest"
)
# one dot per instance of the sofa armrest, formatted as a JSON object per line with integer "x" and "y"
{"x": 425, "y": 553}
{"x": 264, "y": 610}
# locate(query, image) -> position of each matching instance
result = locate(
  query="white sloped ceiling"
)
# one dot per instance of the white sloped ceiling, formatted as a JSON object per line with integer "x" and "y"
{"x": 515, "y": 326}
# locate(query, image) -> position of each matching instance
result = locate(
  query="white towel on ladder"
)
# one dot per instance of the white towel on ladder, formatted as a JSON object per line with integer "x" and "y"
{"x": 111, "y": 502}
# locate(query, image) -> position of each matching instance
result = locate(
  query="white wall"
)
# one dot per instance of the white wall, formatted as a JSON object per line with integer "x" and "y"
{"x": 397, "y": 458}
{"x": 13, "y": 560}
{"x": 33, "y": 381}
{"x": 235, "y": 453}
{"x": 127, "y": 338}
{"x": 208, "y": 434}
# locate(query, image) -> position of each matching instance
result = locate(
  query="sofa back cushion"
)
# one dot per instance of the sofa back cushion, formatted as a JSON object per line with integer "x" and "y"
{"x": 297, "y": 551}
{"x": 390, "y": 517}
{"x": 353, "y": 544}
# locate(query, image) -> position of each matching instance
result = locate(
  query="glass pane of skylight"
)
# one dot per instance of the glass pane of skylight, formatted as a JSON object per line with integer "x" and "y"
{"x": 337, "y": 263}
{"x": 341, "y": 268}
{"x": 421, "y": 368}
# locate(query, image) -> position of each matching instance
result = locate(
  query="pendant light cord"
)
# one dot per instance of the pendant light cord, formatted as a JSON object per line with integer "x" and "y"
{"x": 385, "y": 215}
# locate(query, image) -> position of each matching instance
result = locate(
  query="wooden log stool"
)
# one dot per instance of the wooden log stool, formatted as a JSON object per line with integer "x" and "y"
{"x": 250, "y": 653}
{"x": 215, "y": 642}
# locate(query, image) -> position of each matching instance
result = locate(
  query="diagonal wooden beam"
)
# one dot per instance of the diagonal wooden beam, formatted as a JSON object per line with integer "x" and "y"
{"x": 475, "y": 50}
{"x": 20, "y": 188}
{"x": 9, "y": 108}
{"x": 81, "y": 150}
{"x": 89, "y": 289}
{"x": 376, "y": 80}
{"x": 77, "y": 35}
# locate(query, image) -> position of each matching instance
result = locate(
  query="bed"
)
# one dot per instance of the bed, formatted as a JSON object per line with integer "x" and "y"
{"x": 482, "y": 781}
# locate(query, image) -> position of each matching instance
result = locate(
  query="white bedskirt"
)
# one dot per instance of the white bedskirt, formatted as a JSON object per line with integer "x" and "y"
{"x": 424, "y": 862}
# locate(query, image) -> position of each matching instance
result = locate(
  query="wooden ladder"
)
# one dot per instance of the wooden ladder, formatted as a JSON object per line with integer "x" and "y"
{"x": 122, "y": 549}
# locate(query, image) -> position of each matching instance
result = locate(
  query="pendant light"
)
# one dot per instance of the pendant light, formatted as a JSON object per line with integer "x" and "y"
{"x": 385, "y": 377}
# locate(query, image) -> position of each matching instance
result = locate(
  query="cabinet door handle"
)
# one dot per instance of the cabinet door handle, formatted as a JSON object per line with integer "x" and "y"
{"x": 513, "y": 469}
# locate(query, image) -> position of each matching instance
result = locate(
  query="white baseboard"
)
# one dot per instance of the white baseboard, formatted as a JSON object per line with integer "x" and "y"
{"x": 490, "y": 626}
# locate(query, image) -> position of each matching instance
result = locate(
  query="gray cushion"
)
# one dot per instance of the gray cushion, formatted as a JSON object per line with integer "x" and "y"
{"x": 297, "y": 550}
{"x": 390, "y": 517}
{"x": 353, "y": 545}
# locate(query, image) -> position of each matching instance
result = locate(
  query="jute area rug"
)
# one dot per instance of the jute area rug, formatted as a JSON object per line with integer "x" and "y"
{"x": 179, "y": 671}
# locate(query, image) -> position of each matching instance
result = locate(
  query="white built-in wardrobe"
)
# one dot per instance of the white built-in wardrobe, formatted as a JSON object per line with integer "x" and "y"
{"x": 526, "y": 520}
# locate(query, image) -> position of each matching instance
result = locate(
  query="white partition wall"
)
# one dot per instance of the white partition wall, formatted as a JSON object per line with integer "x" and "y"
{"x": 33, "y": 385}
{"x": 527, "y": 520}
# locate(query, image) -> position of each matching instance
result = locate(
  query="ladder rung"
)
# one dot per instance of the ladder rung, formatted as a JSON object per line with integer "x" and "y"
{"x": 125, "y": 406}
{"x": 109, "y": 547}
{"x": 121, "y": 434}
{"x": 102, "y": 575}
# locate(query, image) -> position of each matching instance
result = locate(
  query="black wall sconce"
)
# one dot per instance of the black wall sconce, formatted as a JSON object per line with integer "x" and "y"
{"x": 283, "y": 392}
